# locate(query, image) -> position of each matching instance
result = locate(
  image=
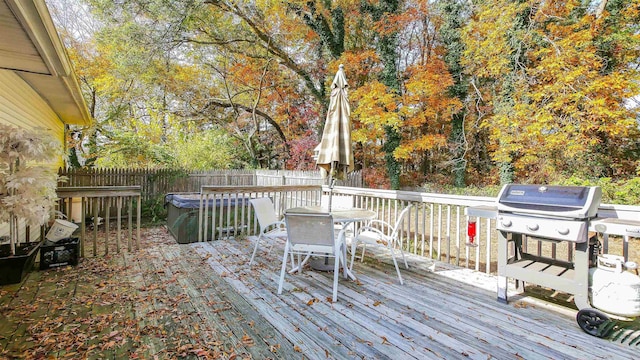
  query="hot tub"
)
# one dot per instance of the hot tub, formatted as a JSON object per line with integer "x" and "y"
{"x": 182, "y": 216}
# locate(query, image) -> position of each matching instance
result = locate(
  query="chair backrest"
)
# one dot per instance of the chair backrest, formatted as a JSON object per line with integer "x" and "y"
{"x": 337, "y": 201}
{"x": 310, "y": 229}
{"x": 265, "y": 212}
{"x": 399, "y": 221}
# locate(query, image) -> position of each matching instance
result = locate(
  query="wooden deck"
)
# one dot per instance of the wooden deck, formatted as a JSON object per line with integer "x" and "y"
{"x": 203, "y": 301}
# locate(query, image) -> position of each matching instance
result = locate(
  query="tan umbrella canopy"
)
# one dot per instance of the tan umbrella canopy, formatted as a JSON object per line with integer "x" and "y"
{"x": 335, "y": 154}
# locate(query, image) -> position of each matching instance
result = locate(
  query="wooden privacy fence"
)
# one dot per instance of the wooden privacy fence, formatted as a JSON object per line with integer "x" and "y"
{"x": 289, "y": 177}
{"x": 102, "y": 202}
{"x": 159, "y": 182}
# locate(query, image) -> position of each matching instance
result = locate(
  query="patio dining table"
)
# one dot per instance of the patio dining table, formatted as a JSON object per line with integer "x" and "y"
{"x": 342, "y": 216}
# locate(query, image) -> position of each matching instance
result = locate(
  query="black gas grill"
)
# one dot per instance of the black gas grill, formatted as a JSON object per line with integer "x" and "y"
{"x": 546, "y": 213}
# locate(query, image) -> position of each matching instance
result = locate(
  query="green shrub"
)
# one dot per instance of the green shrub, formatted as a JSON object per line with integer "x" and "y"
{"x": 153, "y": 209}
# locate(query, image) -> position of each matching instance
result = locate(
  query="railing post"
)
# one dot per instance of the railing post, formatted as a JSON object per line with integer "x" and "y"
{"x": 200, "y": 211}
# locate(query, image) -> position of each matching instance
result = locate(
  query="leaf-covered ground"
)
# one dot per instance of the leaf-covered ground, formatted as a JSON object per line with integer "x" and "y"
{"x": 116, "y": 306}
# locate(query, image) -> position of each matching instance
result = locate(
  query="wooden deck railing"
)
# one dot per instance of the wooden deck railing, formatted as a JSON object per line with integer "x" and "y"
{"x": 436, "y": 227}
{"x": 100, "y": 202}
{"x": 232, "y": 213}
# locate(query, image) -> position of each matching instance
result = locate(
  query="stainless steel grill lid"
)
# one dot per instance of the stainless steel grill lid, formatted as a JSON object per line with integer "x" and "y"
{"x": 576, "y": 202}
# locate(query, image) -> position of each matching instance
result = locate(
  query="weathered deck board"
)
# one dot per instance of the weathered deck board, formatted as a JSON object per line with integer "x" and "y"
{"x": 237, "y": 319}
{"x": 175, "y": 299}
{"x": 153, "y": 345}
{"x": 431, "y": 316}
{"x": 354, "y": 326}
{"x": 395, "y": 328}
{"x": 263, "y": 301}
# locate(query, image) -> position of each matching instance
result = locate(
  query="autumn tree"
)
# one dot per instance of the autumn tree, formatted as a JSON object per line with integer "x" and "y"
{"x": 447, "y": 91}
{"x": 454, "y": 15}
{"x": 557, "y": 102}
{"x": 135, "y": 87}
{"x": 382, "y": 13}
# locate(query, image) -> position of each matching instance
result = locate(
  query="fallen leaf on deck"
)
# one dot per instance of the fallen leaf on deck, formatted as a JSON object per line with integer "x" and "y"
{"x": 312, "y": 301}
{"x": 247, "y": 340}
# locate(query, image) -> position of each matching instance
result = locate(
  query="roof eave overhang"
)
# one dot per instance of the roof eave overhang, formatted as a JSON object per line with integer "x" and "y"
{"x": 60, "y": 88}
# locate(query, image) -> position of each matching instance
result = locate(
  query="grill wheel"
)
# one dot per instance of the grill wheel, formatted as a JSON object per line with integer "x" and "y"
{"x": 592, "y": 321}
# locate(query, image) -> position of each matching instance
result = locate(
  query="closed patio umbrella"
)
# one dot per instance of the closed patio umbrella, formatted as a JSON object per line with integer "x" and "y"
{"x": 335, "y": 154}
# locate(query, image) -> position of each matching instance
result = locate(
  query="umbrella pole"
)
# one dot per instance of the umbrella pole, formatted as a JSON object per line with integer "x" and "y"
{"x": 332, "y": 182}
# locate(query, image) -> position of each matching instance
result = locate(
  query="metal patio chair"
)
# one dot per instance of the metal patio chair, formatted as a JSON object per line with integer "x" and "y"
{"x": 271, "y": 227}
{"x": 381, "y": 233}
{"x": 313, "y": 234}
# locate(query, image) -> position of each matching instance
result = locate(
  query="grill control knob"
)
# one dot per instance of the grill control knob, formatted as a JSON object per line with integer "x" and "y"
{"x": 564, "y": 231}
{"x": 533, "y": 227}
{"x": 506, "y": 223}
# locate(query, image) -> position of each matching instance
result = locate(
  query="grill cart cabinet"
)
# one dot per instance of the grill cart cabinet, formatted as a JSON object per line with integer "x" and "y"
{"x": 550, "y": 213}
{"x": 569, "y": 277}
{"x": 182, "y": 216}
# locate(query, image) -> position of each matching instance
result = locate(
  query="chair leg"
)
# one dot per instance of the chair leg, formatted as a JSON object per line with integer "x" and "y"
{"x": 293, "y": 265}
{"x": 345, "y": 268}
{"x": 395, "y": 263}
{"x": 354, "y": 248}
{"x": 364, "y": 246}
{"x": 336, "y": 273}
{"x": 404, "y": 259}
{"x": 306, "y": 258}
{"x": 271, "y": 246}
{"x": 301, "y": 263}
{"x": 284, "y": 268}
{"x": 255, "y": 249}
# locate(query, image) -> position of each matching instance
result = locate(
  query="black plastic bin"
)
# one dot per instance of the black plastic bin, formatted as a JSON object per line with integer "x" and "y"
{"x": 59, "y": 253}
{"x": 182, "y": 216}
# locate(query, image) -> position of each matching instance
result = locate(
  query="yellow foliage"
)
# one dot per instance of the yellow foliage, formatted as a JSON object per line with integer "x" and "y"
{"x": 551, "y": 98}
{"x": 375, "y": 105}
{"x": 413, "y": 148}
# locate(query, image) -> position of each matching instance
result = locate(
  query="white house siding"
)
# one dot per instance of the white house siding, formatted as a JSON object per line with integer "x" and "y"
{"x": 21, "y": 106}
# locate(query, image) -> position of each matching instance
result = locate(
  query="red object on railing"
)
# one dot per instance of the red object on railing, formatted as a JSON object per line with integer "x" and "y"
{"x": 471, "y": 230}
